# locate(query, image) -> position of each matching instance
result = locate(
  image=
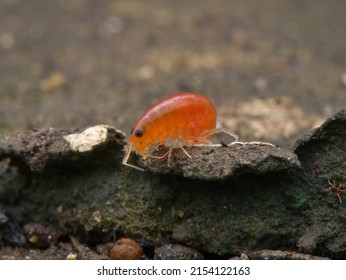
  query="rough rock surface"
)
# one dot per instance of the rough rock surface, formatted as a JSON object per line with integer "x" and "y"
{"x": 220, "y": 163}
{"x": 33, "y": 150}
{"x": 322, "y": 153}
{"x": 275, "y": 205}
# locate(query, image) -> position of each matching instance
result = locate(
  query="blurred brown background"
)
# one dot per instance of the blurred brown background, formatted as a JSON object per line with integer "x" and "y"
{"x": 273, "y": 68}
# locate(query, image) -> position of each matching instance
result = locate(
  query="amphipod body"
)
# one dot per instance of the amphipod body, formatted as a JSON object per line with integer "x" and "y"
{"x": 182, "y": 119}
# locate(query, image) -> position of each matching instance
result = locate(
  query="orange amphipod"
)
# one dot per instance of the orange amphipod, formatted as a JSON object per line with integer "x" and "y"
{"x": 183, "y": 119}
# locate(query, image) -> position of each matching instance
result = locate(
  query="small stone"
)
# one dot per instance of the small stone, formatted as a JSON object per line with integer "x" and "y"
{"x": 97, "y": 216}
{"x": 180, "y": 213}
{"x": 40, "y": 236}
{"x": 103, "y": 249}
{"x": 33, "y": 239}
{"x": 86, "y": 140}
{"x": 59, "y": 209}
{"x": 243, "y": 256}
{"x": 126, "y": 249}
{"x": 71, "y": 256}
{"x": 176, "y": 252}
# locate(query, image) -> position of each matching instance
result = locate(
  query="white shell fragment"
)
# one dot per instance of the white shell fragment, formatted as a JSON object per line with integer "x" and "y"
{"x": 86, "y": 140}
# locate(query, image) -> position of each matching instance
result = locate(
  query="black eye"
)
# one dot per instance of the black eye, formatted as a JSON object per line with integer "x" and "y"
{"x": 138, "y": 133}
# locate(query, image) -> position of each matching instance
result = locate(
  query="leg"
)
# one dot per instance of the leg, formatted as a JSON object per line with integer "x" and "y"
{"x": 173, "y": 144}
{"x": 149, "y": 153}
{"x": 169, "y": 153}
{"x": 169, "y": 156}
{"x": 128, "y": 149}
{"x": 206, "y": 134}
{"x": 158, "y": 157}
{"x": 182, "y": 147}
{"x": 133, "y": 166}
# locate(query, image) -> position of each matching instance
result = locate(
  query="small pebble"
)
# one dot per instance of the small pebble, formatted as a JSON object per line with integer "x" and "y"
{"x": 241, "y": 257}
{"x": 244, "y": 256}
{"x": 97, "y": 216}
{"x": 59, "y": 209}
{"x": 71, "y": 256}
{"x": 86, "y": 140}
{"x": 39, "y": 236}
{"x": 176, "y": 252}
{"x": 180, "y": 213}
{"x": 126, "y": 249}
{"x": 103, "y": 249}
